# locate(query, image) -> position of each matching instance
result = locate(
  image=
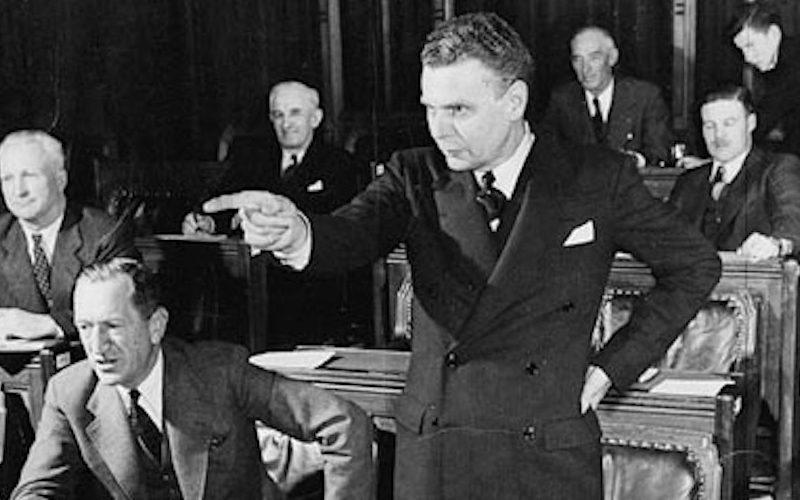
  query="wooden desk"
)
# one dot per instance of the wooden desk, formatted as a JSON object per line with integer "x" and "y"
{"x": 212, "y": 288}
{"x": 31, "y": 379}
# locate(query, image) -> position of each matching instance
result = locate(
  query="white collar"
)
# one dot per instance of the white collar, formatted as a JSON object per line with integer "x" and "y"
{"x": 151, "y": 392}
{"x": 605, "y": 98}
{"x": 286, "y": 157}
{"x": 49, "y": 236}
{"x": 507, "y": 173}
{"x": 732, "y": 167}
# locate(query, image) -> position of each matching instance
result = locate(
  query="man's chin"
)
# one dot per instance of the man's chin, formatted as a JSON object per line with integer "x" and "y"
{"x": 458, "y": 165}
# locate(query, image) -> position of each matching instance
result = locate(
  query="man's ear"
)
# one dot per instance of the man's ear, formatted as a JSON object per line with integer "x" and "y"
{"x": 613, "y": 56}
{"x": 752, "y": 122}
{"x": 61, "y": 179}
{"x": 774, "y": 32}
{"x": 517, "y": 95}
{"x": 158, "y": 324}
{"x": 316, "y": 117}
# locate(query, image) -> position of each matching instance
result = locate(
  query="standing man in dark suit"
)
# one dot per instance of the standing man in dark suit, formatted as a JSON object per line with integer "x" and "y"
{"x": 44, "y": 240}
{"x": 510, "y": 239}
{"x": 776, "y": 59}
{"x": 318, "y": 178}
{"x": 146, "y": 416}
{"x": 747, "y": 199}
{"x": 632, "y": 116}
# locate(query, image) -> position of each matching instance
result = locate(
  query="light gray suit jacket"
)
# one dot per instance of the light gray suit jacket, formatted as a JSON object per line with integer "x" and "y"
{"x": 84, "y": 447}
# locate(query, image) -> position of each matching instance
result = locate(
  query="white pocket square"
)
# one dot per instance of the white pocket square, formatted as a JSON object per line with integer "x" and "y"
{"x": 581, "y": 235}
{"x": 315, "y": 187}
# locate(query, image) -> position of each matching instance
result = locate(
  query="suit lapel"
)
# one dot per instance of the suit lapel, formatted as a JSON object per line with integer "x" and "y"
{"x": 463, "y": 219}
{"x": 580, "y": 111}
{"x": 735, "y": 199}
{"x": 189, "y": 422}
{"x": 111, "y": 436}
{"x": 522, "y": 268}
{"x": 66, "y": 262}
{"x": 619, "y": 117}
{"x": 18, "y": 270}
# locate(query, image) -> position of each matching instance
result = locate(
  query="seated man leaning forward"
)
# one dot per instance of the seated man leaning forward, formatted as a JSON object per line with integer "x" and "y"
{"x": 152, "y": 417}
{"x": 44, "y": 239}
{"x": 745, "y": 199}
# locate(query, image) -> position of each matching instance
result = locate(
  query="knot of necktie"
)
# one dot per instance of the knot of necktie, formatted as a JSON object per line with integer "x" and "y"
{"x": 718, "y": 184}
{"x": 492, "y": 199}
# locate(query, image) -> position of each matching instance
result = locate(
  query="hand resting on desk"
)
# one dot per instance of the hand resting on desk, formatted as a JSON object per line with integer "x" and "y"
{"x": 270, "y": 222}
{"x": 18, "y": 323}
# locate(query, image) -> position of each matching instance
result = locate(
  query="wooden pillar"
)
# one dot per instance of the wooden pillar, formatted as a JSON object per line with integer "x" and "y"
{"x": 443, "y": 9}
{"x": 330, "y": 25}
{"x": 684, "y": 26}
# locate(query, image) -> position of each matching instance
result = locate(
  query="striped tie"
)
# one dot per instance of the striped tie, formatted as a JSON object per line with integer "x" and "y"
{"x": 41, "y": 270}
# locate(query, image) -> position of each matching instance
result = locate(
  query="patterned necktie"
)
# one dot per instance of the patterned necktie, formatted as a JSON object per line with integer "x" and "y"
{"x": 492, "y": 199}
{"x": 718, "y": 184}
{"x": 146, "y": 432}
{"x": 292, "y": 163}
{"x": 41, "y": 270}
{"x": 597, "y": 123}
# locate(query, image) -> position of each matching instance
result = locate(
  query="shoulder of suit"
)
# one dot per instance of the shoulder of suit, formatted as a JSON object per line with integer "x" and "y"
{"x": 73, "y": 384}
{"x": 204, "y": 355}
{"x": 636, "y": 85}
{"x": 91, "y": 220}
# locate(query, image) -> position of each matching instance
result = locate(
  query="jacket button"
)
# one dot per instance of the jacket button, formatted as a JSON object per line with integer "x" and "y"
{"x": 529, "y": 433}
{"x": 451, "y": 360}
{"x": 532, "y": 368}
{"x": 567, "y": 307}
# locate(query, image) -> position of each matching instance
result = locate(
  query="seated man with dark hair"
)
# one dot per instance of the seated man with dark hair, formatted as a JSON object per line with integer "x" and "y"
{"x": 746, "y": 199}
{"x": 152, "y": 417}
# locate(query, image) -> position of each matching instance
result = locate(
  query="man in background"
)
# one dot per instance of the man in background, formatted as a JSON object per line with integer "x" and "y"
{"x": 776, "y": 80}
{"x": 622, "y": 113}
{"x": 746, "y": 199}
{"x": 319, "y": 178}
{"x": 510, "y": 239}
{"x": 44, "y": 242}
{"x": 149, "y": 416}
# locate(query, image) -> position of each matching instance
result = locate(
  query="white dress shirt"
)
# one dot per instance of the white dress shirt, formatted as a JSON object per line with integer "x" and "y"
{"x": 151, "y": 393}
{"x": 605, "y": 98}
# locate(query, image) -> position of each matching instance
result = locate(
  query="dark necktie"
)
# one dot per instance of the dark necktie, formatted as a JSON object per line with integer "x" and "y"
{"x": 292, "y": 163}
{"x": 597, "y": 123}
{"x": 718, "y": 184}
{"x": 492, "y": 199}
{"x": 144, "y": 429}
{"x": 41, "y": 270}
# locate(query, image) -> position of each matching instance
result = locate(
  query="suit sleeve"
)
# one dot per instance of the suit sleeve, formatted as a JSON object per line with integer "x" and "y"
{"x": 341, "y": 429}
{"x": 53, "y": 460}
{"x": 783, "y": 203}
{"x": 685, "y": 267}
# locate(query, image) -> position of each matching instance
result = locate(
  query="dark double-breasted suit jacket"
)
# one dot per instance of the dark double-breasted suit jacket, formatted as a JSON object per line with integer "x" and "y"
{"x": 501, "y": 338}
{"x": 86, "y": 235}
{"x": 764, "y": 197}
{"x": 638, "y": 120}
{"x": 211, "y": 397}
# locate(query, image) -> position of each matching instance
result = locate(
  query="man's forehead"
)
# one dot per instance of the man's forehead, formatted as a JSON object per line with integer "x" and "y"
{"x": 720, "y": 107}
{"x": 23, "y": 155}
{"x": 588, "y": 42}
{"x": 291, "y": 99}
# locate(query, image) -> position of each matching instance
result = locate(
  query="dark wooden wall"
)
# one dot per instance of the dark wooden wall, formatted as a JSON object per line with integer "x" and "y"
{"x": 159, "y": 80}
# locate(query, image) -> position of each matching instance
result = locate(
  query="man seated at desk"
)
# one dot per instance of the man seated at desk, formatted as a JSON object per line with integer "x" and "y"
{"x": 622, "y": 113}
{"x": 149, "y": 416}
{"x": 319, "y": 178}
{"x": 44, "y": 239}
{"x": 745, "y": 199}
{"x": 44, "y": 243}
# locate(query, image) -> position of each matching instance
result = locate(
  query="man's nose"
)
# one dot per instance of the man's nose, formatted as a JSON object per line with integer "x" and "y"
{"x": 440, "y": 124}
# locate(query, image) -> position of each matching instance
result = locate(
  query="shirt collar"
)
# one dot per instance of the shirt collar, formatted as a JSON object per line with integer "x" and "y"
{"x": 605, "y": 98}
{"x": 507, "y": 173}
{"x": 732, "y": 167}
{"x": 286, "y": 157}
{"x": 49, "y": 236}
{"x": 151, "y": 392}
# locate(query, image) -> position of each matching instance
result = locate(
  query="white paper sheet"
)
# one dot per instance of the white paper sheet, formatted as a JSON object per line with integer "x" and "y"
{"x": 691, "y": 387}
{"x": 277, "y": 360}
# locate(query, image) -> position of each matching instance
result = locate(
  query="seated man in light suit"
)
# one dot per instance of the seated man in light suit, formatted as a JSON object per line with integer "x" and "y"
{"x": 44, "y": 240}
{"x": 152, "y": 417}
{"x": 632, "y": 116}
{"x": 746, "y": 199}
